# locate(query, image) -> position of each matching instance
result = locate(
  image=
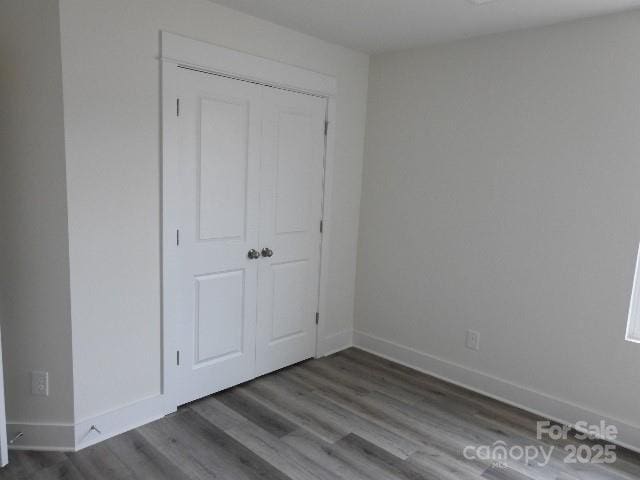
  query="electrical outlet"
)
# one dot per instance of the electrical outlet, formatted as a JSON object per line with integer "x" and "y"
{"x": 40, "y": 383}
{"x": 473, "y": 340}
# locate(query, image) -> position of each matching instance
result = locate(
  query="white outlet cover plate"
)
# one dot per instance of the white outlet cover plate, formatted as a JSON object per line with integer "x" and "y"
{"x": 40, "y": 383}
{"x": 473, "y": 340}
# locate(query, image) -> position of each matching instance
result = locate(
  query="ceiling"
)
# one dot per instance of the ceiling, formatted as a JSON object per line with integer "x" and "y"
{"x": 375, "y": 26}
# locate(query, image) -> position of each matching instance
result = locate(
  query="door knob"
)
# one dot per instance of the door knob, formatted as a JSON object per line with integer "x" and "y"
{"x": 267, "y": 252}
{"x": 253, "y": 254}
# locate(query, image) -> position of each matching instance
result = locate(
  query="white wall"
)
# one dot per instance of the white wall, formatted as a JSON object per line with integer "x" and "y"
{"x": 34, "y": 284}
{"x": 112, "y": 99}
{"x": 501, "y": 193}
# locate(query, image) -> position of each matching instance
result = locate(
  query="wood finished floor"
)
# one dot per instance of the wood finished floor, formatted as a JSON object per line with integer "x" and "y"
{"x": 348, "y": 416}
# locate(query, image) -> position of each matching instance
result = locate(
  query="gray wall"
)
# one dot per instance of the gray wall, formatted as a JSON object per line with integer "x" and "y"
{"x": 501, "y": 193}
{"x": 112, "y": 121}
{"x": 34, "y": 284}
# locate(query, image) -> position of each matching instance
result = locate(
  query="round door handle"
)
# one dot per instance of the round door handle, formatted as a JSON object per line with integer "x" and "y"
{"x": 253, "y": 254}
{"x": 267, "y": 252}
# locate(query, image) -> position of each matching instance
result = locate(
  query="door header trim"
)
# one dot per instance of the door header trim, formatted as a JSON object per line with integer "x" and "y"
{"x": 212, "y": 58}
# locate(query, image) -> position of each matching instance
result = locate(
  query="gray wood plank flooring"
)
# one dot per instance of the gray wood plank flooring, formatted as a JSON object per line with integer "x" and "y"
{"x": 350, "y": 416}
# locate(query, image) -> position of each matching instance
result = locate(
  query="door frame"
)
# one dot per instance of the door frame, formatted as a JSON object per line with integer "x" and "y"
{"x": 4, "y": 454}
{"x": 180, "y": 51}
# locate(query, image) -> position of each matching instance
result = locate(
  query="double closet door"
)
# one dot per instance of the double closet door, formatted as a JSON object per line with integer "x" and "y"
{"x": 251, "y": 180}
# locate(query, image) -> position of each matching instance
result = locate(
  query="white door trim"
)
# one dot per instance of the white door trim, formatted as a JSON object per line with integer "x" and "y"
{"x": 4, "y": 456}
{"x": 178, "y": 50}
{"x": 224, "y": 61}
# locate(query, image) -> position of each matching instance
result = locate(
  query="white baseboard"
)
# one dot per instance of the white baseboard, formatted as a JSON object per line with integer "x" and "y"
{"x": 74, "y": 437}
{"x": 41, "y": 436}
{"x": 120, "y": 420}
{"x": 335, "y": 343}
{"x": 519, "y": 396}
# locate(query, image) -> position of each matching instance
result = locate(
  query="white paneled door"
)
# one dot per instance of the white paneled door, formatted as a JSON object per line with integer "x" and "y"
{"x": 290, "y": 210}
{"x": 250, "y": 180}
{"x": 220, "y": 123}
